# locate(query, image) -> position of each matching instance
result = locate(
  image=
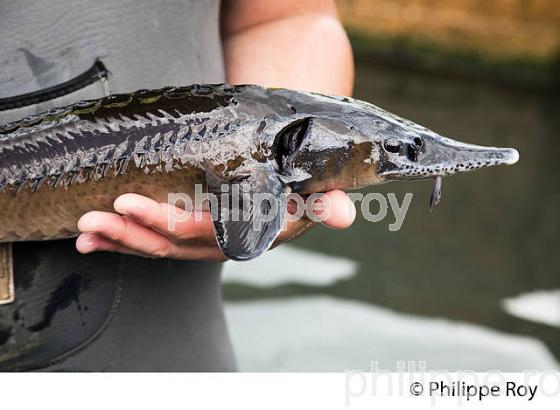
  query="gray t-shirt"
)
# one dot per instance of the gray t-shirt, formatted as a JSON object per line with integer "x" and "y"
{"x": 107, "y": 311}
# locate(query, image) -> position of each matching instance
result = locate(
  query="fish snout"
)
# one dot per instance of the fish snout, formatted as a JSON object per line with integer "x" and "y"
{"x": 452, "y": 157}
{"x": 429, "y": 156}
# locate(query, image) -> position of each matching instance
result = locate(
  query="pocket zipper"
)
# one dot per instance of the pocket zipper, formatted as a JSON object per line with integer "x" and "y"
{"x": 95, "y": 73}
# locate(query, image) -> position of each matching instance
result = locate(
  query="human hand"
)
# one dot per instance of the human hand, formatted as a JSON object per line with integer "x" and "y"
{"x": 140, "y": 226}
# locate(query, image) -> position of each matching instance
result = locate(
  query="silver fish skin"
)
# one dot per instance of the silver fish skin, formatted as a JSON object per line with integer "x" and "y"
{"x": 56, "y": 166}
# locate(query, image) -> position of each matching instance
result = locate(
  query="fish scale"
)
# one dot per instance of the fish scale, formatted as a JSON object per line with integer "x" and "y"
{"x": 46, "y": 134}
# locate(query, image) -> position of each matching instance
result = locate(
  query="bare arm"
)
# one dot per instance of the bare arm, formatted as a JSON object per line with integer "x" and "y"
{"x": 292, "y": 44}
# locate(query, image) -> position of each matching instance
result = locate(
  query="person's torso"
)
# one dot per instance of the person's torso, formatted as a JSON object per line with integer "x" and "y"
{"x": 107, "y": 311}
{"x": 143, "y": 43}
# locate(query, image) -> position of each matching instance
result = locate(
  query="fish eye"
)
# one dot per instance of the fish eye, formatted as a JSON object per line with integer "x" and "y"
{"x": 392, "y": 145}
{"x": 418, "y": 141}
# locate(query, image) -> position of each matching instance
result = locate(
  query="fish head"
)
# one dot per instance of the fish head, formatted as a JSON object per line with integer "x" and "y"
{"x": 341, "y": 142}
{"x": 403, "y": 149}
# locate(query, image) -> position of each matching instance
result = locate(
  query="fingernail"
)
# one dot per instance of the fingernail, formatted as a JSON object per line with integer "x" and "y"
{"x": 85, "y": 243}
{"x": 85, "y": 223}
{"x": 127, "y": 207}
{"x": 120, "y": 207}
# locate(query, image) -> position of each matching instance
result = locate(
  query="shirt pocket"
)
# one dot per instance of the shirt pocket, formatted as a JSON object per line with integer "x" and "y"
{"x": 91, "y": 84}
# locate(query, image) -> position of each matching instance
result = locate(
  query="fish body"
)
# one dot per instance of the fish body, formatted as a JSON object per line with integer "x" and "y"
{"x": 59, "y": 165}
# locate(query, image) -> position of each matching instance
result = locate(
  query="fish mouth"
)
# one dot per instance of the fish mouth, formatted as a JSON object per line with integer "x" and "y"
{"x": 443, "y": 156}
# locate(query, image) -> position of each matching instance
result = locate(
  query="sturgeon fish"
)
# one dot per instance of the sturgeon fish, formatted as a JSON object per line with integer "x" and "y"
{"x": 56, "y": 166}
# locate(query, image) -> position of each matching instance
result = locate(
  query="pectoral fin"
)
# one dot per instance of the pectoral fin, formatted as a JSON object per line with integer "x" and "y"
{"x": 248, "y": 211}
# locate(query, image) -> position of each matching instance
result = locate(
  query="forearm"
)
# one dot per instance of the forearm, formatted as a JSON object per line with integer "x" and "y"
{"x": 307, "y": 50}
